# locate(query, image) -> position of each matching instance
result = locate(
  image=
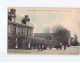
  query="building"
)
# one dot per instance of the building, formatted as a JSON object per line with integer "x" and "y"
{"x": 19, "y": 33}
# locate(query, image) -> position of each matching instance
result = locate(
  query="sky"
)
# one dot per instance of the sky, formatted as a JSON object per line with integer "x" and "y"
{"x": 42, "y": 18}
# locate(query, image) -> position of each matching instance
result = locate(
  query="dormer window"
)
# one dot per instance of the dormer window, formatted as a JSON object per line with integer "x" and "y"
{"x": 25, "y": 19}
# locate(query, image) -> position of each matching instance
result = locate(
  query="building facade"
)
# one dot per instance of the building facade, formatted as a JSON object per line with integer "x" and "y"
{"x": 18, "y": 34}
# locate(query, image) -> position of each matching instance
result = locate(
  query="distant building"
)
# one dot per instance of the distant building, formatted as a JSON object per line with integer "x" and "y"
{"x": 19, "y": 33}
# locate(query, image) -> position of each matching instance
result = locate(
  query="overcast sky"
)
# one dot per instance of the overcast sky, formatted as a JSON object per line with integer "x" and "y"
{"x": 49, "y": 17}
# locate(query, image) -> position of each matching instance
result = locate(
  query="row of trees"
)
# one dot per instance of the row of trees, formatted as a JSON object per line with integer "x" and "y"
{"x": 61, "y": 34}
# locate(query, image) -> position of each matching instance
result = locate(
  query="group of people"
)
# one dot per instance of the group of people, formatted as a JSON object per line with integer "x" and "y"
{"x": 43, "y": 46}
{"x": 59, "y": 46}
{"x": 39, "y": 46}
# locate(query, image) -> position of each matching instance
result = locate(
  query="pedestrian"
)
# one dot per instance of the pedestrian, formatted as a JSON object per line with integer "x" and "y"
{"x": 61, "y": 46}
{"x": 65, "y": 47}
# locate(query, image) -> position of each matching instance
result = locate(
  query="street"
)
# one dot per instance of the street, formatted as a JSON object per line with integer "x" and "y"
{"x": 70, "y": 50}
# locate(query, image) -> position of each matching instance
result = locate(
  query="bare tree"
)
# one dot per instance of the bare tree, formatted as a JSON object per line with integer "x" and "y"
{"x": 61, "y": 34}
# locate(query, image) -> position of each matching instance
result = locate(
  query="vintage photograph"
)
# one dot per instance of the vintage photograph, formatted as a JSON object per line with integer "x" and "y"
{"x": 43, "y": 31}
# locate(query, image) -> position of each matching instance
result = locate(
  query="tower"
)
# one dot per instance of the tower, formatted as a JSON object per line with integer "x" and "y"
{"x": 12, "y": 15}
{"x": 13, "y": 12}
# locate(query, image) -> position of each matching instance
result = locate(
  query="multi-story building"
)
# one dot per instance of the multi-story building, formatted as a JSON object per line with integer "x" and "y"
{"x": 19, "y": 33}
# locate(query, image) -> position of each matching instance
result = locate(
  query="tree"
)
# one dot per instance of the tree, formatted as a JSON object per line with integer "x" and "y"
{"x": 61, "y": 34}
{"x": 75, "y": 40}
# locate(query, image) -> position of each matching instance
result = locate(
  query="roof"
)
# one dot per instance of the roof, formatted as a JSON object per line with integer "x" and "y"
{"x": 23, "y": 25}
{"x": 36, "y": 38}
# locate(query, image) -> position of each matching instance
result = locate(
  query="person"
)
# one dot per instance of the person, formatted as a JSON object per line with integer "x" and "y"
{"x": 64, "y": 46}
{"x": 61, "y": 45}
{"x": 41, "y": 47}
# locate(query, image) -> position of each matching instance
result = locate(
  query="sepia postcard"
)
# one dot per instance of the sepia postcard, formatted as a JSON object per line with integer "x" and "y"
{"x": 44, "y": 31}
